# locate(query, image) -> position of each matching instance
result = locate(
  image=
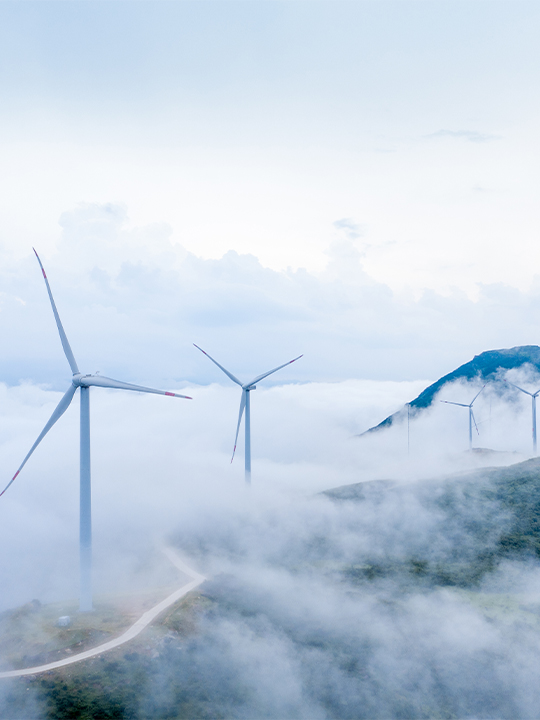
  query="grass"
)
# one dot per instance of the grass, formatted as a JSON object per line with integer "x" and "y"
{"x": 30, "y": 635}
{"x": 109, "y": 686}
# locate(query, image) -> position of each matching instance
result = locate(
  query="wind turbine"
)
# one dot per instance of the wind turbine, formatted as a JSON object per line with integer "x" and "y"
{"x": 533, "y": 397}
{"x": 471, "y": 414}
{"x": 84, "y": 382}
{"x": 245, "y": 405}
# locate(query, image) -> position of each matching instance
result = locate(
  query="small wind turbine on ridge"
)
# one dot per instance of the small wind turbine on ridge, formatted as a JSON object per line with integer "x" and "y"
{"x": 533, "y": 397}
{"x": 245, "y": 405}
{"x": 84, "y": 382}
{"x": 471, "y": 414}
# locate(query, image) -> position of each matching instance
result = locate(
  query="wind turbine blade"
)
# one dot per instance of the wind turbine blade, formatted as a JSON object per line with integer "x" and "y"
{"x": 518, "y": 388}
{"x": 57, "y": 414}
{"x": 264, "y": 375}
{"x": 63, "y": 337}
{"x": 474, "y": 421}
{"x": 477, "y": 394}
{"x": 234, "y": 379}
{"x": 105, "y": 382}
{"x": 449, "y": 402}
{"x": 242, "y": 407}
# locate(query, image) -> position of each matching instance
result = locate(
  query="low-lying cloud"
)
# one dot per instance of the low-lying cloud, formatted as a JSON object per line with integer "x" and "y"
{"x": 158, "y": 462}
{"x": 318, "y": 608}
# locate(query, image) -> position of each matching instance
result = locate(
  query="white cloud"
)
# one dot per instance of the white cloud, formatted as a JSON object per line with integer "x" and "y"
{"x": 133, "y": 303}
{"x": 468, "y": 135}
{"x": 161, "y": 464}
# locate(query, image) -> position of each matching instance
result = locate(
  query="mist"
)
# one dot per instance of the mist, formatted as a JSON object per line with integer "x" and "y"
{"x": 157, "y": 462}
{"x": 317, "y": 607}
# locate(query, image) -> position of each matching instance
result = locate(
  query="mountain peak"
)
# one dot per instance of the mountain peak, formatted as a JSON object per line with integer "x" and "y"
{"x": 483, "y": 367}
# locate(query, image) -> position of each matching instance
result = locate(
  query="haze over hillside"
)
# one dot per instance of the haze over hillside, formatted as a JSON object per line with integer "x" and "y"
{"x": 371, "y": 601}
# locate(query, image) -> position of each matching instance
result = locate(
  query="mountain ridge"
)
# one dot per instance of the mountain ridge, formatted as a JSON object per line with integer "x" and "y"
{"x": 484, "y": 367}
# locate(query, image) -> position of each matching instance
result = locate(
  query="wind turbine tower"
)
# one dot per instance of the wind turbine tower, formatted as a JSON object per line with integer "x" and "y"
{"x": 84, "y": 382}
{"x": 471, "y": 414}
{"x": 533, "y": 397}
{"x": 245, "y": 405}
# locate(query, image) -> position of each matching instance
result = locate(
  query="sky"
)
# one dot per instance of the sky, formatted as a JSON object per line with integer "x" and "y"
{"x": 276, "y": 128}
{"x": 355, "y": 181}
{"x": 352, "y": 180}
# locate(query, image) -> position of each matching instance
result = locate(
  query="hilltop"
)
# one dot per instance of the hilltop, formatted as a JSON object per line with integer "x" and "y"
{"x": 483, "y": 368}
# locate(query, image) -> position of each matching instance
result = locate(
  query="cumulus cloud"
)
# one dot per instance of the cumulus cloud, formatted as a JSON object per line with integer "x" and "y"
{"x": 351, "y": 229}
{"x": 132, "y": 303}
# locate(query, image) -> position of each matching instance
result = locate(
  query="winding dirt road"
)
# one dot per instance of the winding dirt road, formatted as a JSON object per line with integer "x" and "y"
{"x": 137, "y": 627}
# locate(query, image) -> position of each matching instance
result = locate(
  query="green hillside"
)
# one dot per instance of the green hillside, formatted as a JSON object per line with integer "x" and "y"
{"x": 483, "y": 368}
{"x": 483, "y": 517}
{"x": 108, "y": 686}
{"x": 354, "y": 579}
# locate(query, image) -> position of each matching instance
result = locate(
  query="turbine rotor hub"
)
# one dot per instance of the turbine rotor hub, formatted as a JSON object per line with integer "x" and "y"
{"x": 78, "y": 379}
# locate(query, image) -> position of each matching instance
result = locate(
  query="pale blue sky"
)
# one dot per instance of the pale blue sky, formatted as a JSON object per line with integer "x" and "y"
{"x": 390, "y": 147}
{"x": 255, "y": 125}
{"x": 345, "y": 77}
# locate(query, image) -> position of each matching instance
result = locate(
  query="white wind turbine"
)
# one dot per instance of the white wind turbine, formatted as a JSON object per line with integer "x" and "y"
{"x": 245, "y": 405}
{"x": 471, "y": 414}
{"x": 84, "y": 382}
{"x": 533, "y": 397}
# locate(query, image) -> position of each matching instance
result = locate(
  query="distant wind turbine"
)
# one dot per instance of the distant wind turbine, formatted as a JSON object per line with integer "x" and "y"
{"x": 84, "y": 382}
{"x": 245, "y": 405}
{"x": 471, "y": 414}
{"x": 533, "y": 397}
